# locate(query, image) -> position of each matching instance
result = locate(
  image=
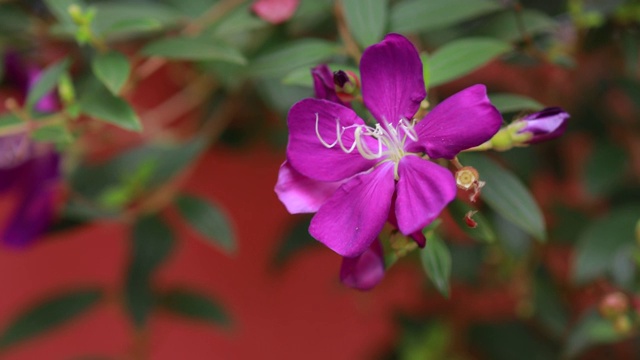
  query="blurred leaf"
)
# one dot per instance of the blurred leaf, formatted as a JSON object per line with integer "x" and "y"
{"x": 431, "y": 342}
{"x": 209, "y": 220}
{"x": 46, "y": 82}
{"x": 239, "y": 21}
{"x": 466, "y": 261}
{"x": 112, "y": 14}
{"x": 132, "y": 26}
{"x": 483, "y": 232}
{"x": 13, "y": 19}
{"x": 192, "y": 48}
{"x": 191, "y": 304}
{"x": 421, "y": 16}
{"x": 112, "y": 69}
{"x": 601, "y": 241}
{"x": 506, "y": 194}
{"x": 367, "y": 19}
{"x": 192, "y": 8}
{"x": 514, "y": 240}
{"x": 293, "y": 55}
{"x": 101, "y": 104}
{"x": 463, "y": 56}
{"x": 511, "y": 340}
{"x": 60, "y": 9}
{"x": 152, "y": 241}
{"x": 590, "y": 330}
{"x": 296, "y": 240}
{"x": 505, "y": 26}
{"x": 548, "y": 308}
{"x": 605, "y": 169}
{"x": 436, "y": 261}
{"x": 57, "y": 133}
{"x": 506, "y": 103}
{"x": 8, "y": 120}
{"x": 91, "y": 181}
{"x": 48, "y": 315}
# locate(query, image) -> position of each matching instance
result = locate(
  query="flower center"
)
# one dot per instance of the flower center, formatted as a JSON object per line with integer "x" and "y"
{"x": 390, "y": 139}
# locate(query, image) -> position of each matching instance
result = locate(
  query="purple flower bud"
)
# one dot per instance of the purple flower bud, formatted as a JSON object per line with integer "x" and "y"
{"x": 340, "y": 78}
{"x": 364, "y": 271}
{"x": 323, "y": 84}
{"x": 544, "y": 125}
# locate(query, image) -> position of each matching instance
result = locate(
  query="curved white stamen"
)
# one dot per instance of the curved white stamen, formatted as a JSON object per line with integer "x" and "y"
{"x": 320, "y": 136}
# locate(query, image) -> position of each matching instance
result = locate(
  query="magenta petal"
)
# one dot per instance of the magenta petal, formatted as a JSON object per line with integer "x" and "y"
{"x": 546, "y": 124}
{"x": 356, "y": 213}
{"x": 424, "y": 189}
{"x": 299, "y": 194}
{"x": 309, "y": 156}
{"x": 365, "y": 271}
{"x": 392, "y": 80}
{"x": 462, "y": 121}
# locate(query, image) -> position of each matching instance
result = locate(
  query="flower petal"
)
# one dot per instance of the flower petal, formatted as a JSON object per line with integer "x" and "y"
{"x": 309, "y": 156}
{"x": 323, "y": 85}
{"x": 392, "y": 80}
{"x": 299, "y": 194}
{"x": 462, "y": 121}
{"x": 356, "y": 213}
{"x": 546, "y": 124}
{"x": 424, "y": 189}
{"x": 365, "y": 271}
{"x": 275, "y": 11}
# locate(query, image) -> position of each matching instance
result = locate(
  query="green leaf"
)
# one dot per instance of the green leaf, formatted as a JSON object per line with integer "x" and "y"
{"x": 463, "y": 56}
{"x": 239, "y": 21}
{"x": 426, "y": 69}
{"x": 483, "y": 232}
{"x": 436, "y": 261}
{"x": 296, "y": 240}
{"x": 112, "y": 69}
{"x": 602, "y": 240}
{"x": 209, "y": 220}
{"x": 296, "y": 54}
{"x": 605, "y": 169}
{"x": 60, "y": 9}
{"x": 193, "y": 48}
{"x": 506, "y": 194}
{"x": 505, "y": 25}
{"x": 421, "y": 16}
{"x": 101, "y": 104}
{"x": 48, "y": 315}
{"x": 191, "y": 304}
{"x": 110, "y": 15}
{"x": 57, "y": 133}
{"x": 9, "y": 120}
{"x": 590, "y": 330}
{"x": 367, "y": 19}
{"x": 152, "y": 241}
{"x": 47, "y": 82}
{"x": 506, "y": 103}
{"x": 128, "y": 27}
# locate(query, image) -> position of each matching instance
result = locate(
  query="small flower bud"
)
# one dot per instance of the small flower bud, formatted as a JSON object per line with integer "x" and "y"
{"x": 346, "y": 84}
{"x": 544, "y": 125}
{"x": 613, "y": 305}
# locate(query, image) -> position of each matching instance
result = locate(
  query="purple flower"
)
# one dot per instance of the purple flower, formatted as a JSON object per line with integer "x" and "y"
{"x": 544, "y": 125}
{"x": 383, "y": 166}
{"x": 365, "y": 271}
{"x": 323, "y": 84}
{"x": 29, "y": 168}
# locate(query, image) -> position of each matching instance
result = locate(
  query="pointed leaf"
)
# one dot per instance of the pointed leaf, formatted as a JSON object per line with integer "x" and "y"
{"x": 282, "y": 60}
{"x": 436, "y": 261}
{"x": 506, "y": 194}
{"x": 112, "y": 69}
{"x": 152, "y": 242}
{"x": 190, "y": 48}
{"x": 49, "y": 315}
{"x": 507, "y": 27}
{"x": 506, "y": 103}
{"x": 463, "y": 56}
{"x": 101, "y": 104}
{"x": 209, "y": 220}
{"x": 47, "y": 82}
{"x": 367, "y": 19}
{"x": 601, "y": 242}
{"x": 191, "y": 304}
{"x": 420, "y": 15}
